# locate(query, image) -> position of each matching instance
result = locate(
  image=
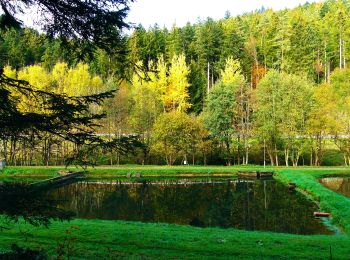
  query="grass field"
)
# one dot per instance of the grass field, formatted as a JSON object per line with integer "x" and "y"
{"x": 98, "y": 239}
{"x": 152, "y": 170}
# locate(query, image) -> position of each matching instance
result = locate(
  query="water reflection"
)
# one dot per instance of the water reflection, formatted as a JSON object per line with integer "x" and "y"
{"x": 260, "y": 205}
{"x": 338, "y": 184}
{"x": 19, "y": 201}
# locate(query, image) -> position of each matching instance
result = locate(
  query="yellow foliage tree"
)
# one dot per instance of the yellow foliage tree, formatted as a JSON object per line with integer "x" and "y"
{"x": 146, "y": 96}
{"x": 9, "y": 72}
{"x": 59, "y": 75}
{"x": 75, "y": 81}
{"x": 78, "y": 81}
{"x": 36, "y": 76}
{"x": 176, "y": 96}
{"x": 232, "y": 71}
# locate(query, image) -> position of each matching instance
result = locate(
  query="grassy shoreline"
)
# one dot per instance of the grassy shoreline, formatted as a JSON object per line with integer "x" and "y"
{"x": 151, "y": 170}
{"x": 98, "y": 239}
{"x": 93, "y": 239}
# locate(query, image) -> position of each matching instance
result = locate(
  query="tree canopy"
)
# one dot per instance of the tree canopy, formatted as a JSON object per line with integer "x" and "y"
{"x": 67, "y": 114}
{"x": 98, "y": 22}
{"x": 265, "y": 80}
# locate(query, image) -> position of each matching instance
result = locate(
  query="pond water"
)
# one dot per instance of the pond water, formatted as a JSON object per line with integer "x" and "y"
{"x": 251, "y": 205}
{"x": 338, "y": 184}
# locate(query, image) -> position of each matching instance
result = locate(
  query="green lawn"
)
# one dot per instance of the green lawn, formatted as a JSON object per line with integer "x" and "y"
{"x": 96, "y": 239}
{"x": 150, "y": 170}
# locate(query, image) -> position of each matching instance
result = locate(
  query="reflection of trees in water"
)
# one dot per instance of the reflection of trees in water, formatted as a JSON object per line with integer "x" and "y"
{"x": 261, "y": 205}
{"x": 21, "y": 201}
{"x": 338, "y": 184}
{"x": 345, "y": 187}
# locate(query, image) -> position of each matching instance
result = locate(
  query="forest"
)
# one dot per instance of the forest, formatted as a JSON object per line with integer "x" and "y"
{"x": 263, "y": 87}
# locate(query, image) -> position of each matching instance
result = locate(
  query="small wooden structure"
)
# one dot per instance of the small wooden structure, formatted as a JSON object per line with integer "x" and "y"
{"x": 321, "y": 214}
{"x": 2, "y": 164}
{"x": 254, "y": 174}
{"x": 65, "y": 177}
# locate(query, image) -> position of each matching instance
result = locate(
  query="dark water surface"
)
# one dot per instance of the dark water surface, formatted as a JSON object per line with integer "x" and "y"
{"x": 338, "y": 184}
{"x": 250, "y": 205}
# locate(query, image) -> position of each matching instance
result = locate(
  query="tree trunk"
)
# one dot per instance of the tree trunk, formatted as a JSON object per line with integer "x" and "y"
{"x": 238, "y": 151}
{"x": 286, "y": 156}
{"x": 228, "y": 159}
{"x": 272, "y": 159}
{"x": 311, "y": 157}
{"x": 247, "y": 156}
{"x": 111, "y": 158}
{"x": 346, "y": 160}
{"x": 296, "y": 159}
{"x": 276, "y": 155}
{"x": 5, "y": 148}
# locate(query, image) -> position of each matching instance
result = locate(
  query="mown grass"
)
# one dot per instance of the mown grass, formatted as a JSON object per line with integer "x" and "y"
{"x": 148, "y": 170}
{"x": 98, "y": 239}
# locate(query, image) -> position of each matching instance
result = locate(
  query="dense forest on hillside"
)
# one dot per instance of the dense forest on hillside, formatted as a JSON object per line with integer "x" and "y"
{"x": 266, "y": 83}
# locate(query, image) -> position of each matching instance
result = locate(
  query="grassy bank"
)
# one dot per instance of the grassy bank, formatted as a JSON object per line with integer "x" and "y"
{"x": 151, "y": 170}
{"x": 96, "y": 239}
{"x": 307, "y": 181}
{"x": 124, "y": 169}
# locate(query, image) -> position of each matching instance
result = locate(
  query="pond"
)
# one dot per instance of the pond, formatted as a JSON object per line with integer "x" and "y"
{"x": 265, "y": 205}
{"x": 338, "y": 184}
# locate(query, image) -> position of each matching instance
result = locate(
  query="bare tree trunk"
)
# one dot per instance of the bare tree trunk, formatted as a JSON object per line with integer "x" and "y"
{"x": 286, "y": 156}
{"x": 296, "y": 159}
{"x": 111, "y": 158}
{"x": 58, "y": 151}
{"x": 272, "y": 159}
{"x": 346, "y": 160}
{"x": 238, "y": 151}
{"x": 13, "y": 147}
{"x": 247, "y": 156}
{"x": 276, "y": 155}
{"x": 4, "y": 142}
{"x": 311, "y": 157}
{"x": 228, "y": 160}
